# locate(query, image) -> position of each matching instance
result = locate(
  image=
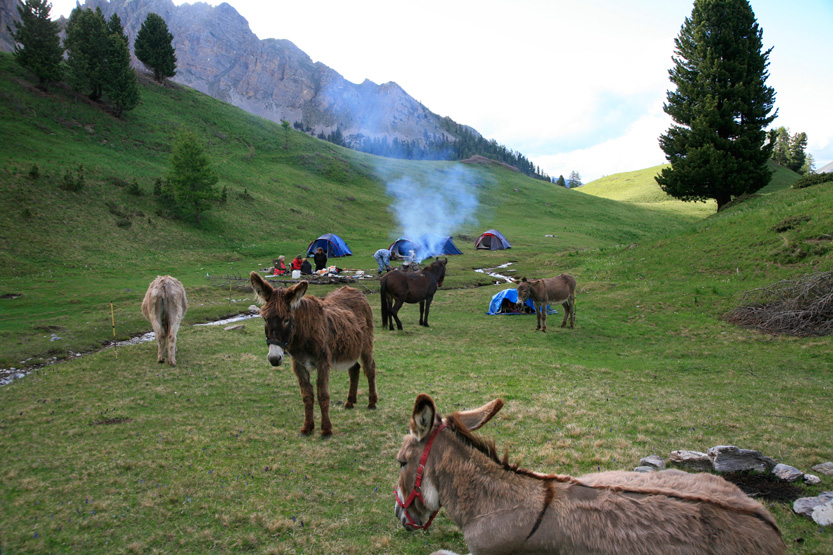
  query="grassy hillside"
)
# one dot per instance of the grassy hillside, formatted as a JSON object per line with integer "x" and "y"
{"x": 640, "y": 187}
{"x": 284, "y": 191}
{"x": 113, "y": 453}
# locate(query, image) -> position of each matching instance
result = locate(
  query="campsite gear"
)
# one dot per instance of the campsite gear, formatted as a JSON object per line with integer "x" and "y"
{"x": 492, "y": 240}
{"x": 424, "y": 246}
{"x": 296, "y": 274}
{"x": 501, "y": 300}
{"x": 333, "y": 246}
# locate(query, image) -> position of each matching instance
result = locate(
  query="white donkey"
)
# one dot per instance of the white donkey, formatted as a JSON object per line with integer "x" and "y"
{"x": 164, "y": 306}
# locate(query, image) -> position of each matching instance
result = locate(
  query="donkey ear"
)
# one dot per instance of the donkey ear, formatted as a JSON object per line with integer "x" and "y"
{"x": 422, "y": 420}
{"x": 523, "y": 279}
{"x": 295, "y": 293}
{"x": 473, "y": 419}
{"x": 263, "y": 289}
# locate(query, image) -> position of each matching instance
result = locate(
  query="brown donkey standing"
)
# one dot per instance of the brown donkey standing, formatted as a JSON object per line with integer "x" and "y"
{"x": 560, "y": 289}
{"x": 334, "y": 332}
{"x": 503, "y": 509}
{"x": 164, "y": 306}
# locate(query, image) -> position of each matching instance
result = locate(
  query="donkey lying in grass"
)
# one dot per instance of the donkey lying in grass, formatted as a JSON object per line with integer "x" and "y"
{"x": 320, "y": 334}
{"x": 560, "y": 289}
{"x": 503, "y": 509}
{"x": 164, "y": 306}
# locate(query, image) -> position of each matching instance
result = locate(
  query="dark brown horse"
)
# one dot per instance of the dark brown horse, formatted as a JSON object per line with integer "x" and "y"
{"x": 560, "y": 289}
{"x": 400, "y": 287}
{"x": 320, "y": 334}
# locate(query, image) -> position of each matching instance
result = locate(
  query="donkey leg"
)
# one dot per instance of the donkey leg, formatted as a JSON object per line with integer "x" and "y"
{"x": 543, "y": 318}
{"x": 353, "y": 371}
{"x": 422, "y": 313}
{"x": 324, "y": 400}
{"x": 307, "y": 396}
{"x": 537, "y": 316}
{"x": 172, "y": 343}
{"x": 369, "y": 365}
{"x": 567, "y": 311}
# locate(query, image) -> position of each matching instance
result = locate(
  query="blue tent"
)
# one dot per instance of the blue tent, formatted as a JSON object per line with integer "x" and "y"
{"x": 424, "y": 246}
{"x": 492, "y": 240}
{"x": 512, "y": 296}
{"x": 333, "y": 245}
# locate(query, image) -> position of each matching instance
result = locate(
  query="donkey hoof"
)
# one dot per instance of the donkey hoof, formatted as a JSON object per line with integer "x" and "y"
{"x": 371, "y": 407}
{"x": 348, "y": 405}
{"x": 326, "y": 434}
{"x": 307, "y": 431}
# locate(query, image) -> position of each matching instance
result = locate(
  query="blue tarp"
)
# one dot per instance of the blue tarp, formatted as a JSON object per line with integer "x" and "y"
{"x": 333, "y": 245}
{"x": 492, "y": 240}
{"x": 512, "y": 296}
{"x": 424, "y": 246}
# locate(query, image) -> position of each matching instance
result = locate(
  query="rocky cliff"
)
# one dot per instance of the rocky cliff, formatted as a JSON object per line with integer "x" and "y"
{"x": 218, "y": 54}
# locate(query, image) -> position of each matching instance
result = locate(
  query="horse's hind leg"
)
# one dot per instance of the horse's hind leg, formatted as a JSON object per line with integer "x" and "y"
{"x": 569, "y": 311}
{"x": 543, "y": 311}
{"x": 369, "y": 365}
{"x": 160, "y": 333}
{"x": 173, "y": 329}
{"x": 353, "y": 371}
{"x": 394, "y": 313}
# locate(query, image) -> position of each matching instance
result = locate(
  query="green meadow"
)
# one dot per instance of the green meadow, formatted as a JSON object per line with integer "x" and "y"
{"x": 107, "y": 451}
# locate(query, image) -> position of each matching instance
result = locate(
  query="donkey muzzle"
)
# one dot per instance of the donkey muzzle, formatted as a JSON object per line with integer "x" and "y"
{"x": 275, "y": 355}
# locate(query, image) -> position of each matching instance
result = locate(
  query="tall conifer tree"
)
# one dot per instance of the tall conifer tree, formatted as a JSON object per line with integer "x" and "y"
{"x": 87, "y": 45}
{"x": 38, "y": 45}
{"x": 720, "y": 107}
{"x": 154, "y": 47}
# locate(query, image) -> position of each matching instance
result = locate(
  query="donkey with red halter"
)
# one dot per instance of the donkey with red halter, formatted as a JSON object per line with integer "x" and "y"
{"x": 400, "y": 287}
{"x": 321, "y": 334}
{"x": 560, "y": 289}
{"x": 506, "y": 510}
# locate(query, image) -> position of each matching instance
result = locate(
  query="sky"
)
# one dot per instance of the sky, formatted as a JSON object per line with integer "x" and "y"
{"x": 573, "y": 86}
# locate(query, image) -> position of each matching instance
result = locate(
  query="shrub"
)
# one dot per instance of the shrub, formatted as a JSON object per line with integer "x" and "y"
{"x": 134, "y": 189}
{"x": 812, "y": 179}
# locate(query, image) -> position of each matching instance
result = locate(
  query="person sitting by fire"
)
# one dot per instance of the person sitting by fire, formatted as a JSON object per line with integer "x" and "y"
{"x": 297, "y": 262}
{"x": 280, "y": 266}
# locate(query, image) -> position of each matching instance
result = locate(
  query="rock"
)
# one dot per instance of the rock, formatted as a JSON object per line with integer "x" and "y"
{"x": 236, "y": 327}
{"x": 805, "y": 505}
{"x": 728, "y": 458}
{"x": 787, "y": 472}
{"x": 654, "y": 461}
{"x": 253, "y": 308}
{"x": 692, "y": 460}
{"x": 644, "y": 469}
{"x": 823, "y": 514}
{"x": 824, "y": 468}
{"x": 811, "y": 480}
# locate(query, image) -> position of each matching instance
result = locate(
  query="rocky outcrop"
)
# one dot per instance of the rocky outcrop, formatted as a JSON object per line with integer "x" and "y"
{"x": 8, "y": 15}
{"x": 218, "y": 54}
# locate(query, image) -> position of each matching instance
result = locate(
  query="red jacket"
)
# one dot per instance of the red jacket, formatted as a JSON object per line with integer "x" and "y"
{"x": 279, "y": 270}
{"x": 296, "y": 263}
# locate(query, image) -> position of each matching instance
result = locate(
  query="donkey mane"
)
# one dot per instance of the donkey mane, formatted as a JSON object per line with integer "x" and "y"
{"x": 487, "y": 447}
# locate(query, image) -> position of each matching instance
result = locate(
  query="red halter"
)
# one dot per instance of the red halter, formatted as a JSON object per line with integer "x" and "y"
{"x": 416, "y": 493}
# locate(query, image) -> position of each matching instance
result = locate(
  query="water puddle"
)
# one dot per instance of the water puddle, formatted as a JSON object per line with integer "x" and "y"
{"x": 8, "y": 375}
{"x": 492, "y": 273}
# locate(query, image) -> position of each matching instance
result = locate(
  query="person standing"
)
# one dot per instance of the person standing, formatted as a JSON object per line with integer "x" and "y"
{"x": 382, "y": 257}
{"x": 320, "y": 258}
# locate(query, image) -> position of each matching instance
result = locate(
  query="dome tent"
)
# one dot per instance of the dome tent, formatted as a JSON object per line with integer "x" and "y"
{"x": 492, "y": 240}
{"x": 333, "y": 245}
{"x": 497, "y": 306}
{"x": 424, "y": 246}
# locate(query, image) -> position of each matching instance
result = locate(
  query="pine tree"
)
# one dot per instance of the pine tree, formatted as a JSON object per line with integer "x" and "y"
{"x": 798, "y": 152}
{"x": 154, "y": 47}
{"x": 575, "y": 180}
{"x": 191, "y": 176}
{"x": 38, "y": 45}
{"x": 114, "y": 26}
{"x": 122, "y": 87}
{"x": 87, "y": 45}
{"x": 561, "y": 182}
{"x": 720, "y": 107}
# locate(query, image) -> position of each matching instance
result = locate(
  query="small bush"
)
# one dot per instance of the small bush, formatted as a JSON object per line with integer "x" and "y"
{"x": 117, "y": 182}
{"x": 789, "y": 223}
{"x": 812, "y": 179}
{"x": 134, "y": 189}
{"x": 245, "y": 195}
{"x": 73, "y": 183}
{"x": 34, "y": 172}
